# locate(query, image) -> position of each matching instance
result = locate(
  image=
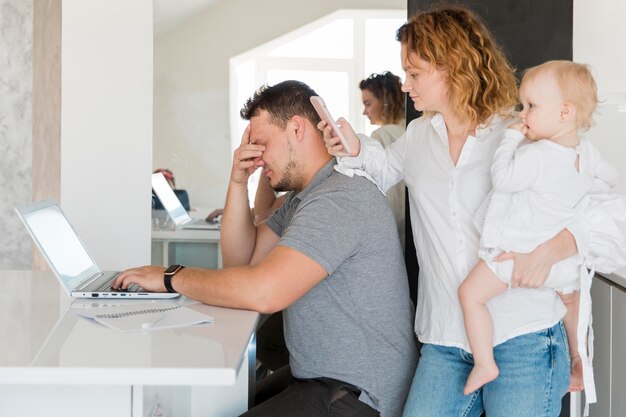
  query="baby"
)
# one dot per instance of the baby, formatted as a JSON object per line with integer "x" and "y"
{"x": 539, "y": 188}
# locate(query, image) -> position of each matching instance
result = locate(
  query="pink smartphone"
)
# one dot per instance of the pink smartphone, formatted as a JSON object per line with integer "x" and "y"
{"x": 324, "y": 114}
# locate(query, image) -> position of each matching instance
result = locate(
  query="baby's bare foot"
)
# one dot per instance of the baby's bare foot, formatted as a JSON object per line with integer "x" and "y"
{"x": 479, "y": 376}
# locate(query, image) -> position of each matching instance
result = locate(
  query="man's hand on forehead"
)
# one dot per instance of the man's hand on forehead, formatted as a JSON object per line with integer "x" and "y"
{"x": 246, "y": 159}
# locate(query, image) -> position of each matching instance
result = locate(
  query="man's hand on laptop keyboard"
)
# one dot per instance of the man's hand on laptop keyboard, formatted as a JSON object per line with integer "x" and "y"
{"x": 148, "y": 277}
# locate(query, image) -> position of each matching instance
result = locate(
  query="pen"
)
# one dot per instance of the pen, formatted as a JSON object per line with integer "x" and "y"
{"x": 148, "y": 324}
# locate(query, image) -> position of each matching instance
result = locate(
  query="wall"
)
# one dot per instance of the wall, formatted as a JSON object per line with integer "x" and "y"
{"x": 191, "y": 125}
{"x": 599, "y": 34}
{"x": 106, "y": 127}
{"x": 16, "y": 42}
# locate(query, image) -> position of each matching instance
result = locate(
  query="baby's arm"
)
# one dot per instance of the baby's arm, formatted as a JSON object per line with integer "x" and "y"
{"x": 514, "y": 169}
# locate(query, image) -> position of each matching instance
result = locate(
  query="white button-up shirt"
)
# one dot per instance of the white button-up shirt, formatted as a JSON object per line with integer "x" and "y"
{"x": 443, "y": 198}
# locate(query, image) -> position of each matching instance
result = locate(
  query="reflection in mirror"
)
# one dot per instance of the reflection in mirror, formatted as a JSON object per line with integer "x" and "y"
{"x": 332, "y": 55}
{"x": 193, "y": 101}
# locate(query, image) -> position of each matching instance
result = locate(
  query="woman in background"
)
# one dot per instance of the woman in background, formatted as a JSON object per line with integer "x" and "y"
{"x": 383, "y": 104}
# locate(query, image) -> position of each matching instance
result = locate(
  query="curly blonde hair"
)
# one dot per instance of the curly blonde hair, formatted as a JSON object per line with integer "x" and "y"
{"x": 456, "y": 41}
{"x": 576, "y": 84}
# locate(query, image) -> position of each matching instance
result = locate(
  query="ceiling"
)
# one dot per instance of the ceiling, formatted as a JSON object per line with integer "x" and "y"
{"x": 170, "y": 13}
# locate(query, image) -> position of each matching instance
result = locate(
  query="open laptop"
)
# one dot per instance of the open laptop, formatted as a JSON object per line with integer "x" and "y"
{"x": 174, "y": 207}
{"x": 68, "y": 258}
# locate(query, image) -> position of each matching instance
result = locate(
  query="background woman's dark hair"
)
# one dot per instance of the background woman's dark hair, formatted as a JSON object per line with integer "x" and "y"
{"x": 387, "y": 88}
{"x": 282, "y": 101}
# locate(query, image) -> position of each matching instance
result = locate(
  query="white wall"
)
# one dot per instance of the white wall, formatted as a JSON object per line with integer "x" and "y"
{"x": 191, "y": 119}
{"x": 106, "y": 127}
{"x": 599, "y": 35}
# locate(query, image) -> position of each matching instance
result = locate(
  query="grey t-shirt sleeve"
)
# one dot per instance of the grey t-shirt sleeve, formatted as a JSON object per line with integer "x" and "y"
{"x": 324, "y": 227}
{"x": 278, "y": 218}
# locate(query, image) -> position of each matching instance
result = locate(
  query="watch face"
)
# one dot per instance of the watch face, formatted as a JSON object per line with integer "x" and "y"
{"x": 172, "y": 268}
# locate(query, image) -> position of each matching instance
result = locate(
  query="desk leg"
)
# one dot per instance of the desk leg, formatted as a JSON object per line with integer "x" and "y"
{"x": 166, "y": 253}
{"x": 251, "y": 370}
{"x": 196, "y": 400}
{"x": 136, "y": 400}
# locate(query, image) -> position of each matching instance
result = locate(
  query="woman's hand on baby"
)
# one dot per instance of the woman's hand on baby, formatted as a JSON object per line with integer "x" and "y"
{"x": 333, "y": 143}
{"x": 530, "y": 270}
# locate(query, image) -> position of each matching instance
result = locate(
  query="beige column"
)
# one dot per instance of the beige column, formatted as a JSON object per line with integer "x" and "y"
{"x": 46, "y": 105}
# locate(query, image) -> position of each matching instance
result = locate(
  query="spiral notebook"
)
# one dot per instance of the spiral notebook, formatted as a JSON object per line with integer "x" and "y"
{"x": 145, "y": 317}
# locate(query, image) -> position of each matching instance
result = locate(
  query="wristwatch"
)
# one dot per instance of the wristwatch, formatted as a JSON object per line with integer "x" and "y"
{"x": 168, "y": 274}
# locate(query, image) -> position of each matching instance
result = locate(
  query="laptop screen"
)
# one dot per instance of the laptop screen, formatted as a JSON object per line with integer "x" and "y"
{"x": 169, "y": 200}
{"x": 59, "y": 243}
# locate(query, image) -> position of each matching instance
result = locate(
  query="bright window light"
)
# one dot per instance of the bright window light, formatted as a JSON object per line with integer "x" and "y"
{"x": 382, "y": 51}
{"x": 331, "y": 86}
{"x": 333, "y": 40}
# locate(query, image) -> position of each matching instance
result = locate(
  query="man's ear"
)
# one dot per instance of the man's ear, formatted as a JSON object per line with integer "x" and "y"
{"x": 568, "y": 111}
{"x": 297, "y": 123}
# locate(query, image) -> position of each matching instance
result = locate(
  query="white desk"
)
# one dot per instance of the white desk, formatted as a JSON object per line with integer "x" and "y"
{"x": 55, "y": 364}
{"x": 197, "y": 248}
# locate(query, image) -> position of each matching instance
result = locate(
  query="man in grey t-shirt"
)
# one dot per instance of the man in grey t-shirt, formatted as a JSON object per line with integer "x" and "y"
{"x": 351, "y": 325}
{"x": 330, "y": 258}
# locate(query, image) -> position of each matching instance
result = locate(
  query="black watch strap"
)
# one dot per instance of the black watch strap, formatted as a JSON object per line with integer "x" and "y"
{"x": 169, "y": 274}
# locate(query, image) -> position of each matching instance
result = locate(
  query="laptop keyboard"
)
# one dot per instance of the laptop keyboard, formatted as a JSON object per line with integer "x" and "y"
{"x": 106, "y": 287}
{"x": 103, "y": 284}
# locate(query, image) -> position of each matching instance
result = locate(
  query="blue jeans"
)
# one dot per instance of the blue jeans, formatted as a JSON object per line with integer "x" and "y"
{"x": 534, "y": 377}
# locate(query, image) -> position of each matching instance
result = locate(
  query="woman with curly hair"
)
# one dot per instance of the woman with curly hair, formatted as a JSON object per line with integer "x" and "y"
{"x": 383, "y": 104}
{"x": 457, "y": 75}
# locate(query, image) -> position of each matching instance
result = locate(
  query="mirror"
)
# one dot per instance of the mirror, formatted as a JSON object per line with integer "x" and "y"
{"x": 193, "y": 43}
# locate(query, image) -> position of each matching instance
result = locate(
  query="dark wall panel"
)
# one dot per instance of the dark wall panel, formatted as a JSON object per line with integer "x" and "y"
{"x": 531, "y": 31}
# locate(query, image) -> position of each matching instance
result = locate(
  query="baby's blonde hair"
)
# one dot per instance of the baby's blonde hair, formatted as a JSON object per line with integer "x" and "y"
{"x": 576, "y": 84}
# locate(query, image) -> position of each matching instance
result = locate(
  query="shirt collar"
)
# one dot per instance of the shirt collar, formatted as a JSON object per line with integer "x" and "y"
{"x": 482, "y": 130}
{"x": 321, "y": 175}
{"x": 439, "y": 126}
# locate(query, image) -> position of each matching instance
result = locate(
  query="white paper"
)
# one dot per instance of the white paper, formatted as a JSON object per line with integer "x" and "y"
{"x": 145, "y": 317}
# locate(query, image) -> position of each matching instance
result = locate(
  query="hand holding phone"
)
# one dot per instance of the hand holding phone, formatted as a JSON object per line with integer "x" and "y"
{"x": 324, "y": 114}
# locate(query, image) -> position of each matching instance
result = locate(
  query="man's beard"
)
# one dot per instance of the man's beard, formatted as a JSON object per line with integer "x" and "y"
{"x": 286, "y": 183}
